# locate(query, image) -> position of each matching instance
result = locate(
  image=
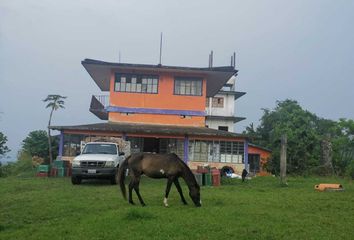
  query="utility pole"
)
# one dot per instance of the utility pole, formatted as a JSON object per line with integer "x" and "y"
{"x": 283, "y": 160}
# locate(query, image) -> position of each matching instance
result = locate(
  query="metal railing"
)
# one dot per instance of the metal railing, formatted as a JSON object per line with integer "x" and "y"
{"x": 98, "y": 106}
{"x": 103, "y": 99}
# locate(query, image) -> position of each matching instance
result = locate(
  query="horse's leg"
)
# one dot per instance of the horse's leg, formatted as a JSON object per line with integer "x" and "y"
{"x": 179, "y": 189}
{"x": 131, "y": 185}
{"x": 136, "y": 188}
{"x": 168, "y": 188}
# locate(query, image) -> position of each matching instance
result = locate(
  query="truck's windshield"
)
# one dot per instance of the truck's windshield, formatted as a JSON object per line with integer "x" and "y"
{"x": 100, "y": 148}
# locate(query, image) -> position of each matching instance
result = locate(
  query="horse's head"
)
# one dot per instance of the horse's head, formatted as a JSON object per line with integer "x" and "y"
{"x": 194, "y": 193}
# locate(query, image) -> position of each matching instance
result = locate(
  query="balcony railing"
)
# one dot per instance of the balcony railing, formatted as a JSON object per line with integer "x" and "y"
{"x": 98, "y": 106}
{"x": 103, "y": 99}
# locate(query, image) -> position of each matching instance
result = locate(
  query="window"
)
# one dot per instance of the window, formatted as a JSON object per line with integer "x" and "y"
{"x": 218, "y": 102}
{"x": 207, "y": 102}
{"x": 199, "y": 151}
{"x": 136, "y": 83}
{"x": 98, "y": 148}
{"x": 216, "y": 151}
{"x": 231, "y": 152}
{"x": 136, "y": 144}
{"x": 72, "y": 144}
{"x": 188, "y": 86}
{"x": 172, "y": 146}
{"x": 223, "y": 128}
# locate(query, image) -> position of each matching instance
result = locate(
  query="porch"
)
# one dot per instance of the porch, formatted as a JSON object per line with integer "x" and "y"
{"x": 194, "y": 145}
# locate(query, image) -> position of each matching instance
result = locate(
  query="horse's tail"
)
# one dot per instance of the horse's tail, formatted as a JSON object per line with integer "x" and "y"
{"x": 121, "y": 176}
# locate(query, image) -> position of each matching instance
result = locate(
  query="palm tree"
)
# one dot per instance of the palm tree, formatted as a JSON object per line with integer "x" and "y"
{"x": 54, "y": 102}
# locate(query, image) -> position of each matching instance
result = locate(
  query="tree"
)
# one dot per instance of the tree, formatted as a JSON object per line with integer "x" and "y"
{"x": 251, "y": 132}
{"x": 305, "y": 132}
{"x": 3, "y": 148}
{"x": 300, "y": 128}
{"x": 343, "y": 147}
{"x": 54, "y": 103}
{"x": 36, "y": 144}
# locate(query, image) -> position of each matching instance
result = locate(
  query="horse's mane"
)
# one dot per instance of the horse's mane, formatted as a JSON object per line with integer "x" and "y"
{"x": 188, "y": 173}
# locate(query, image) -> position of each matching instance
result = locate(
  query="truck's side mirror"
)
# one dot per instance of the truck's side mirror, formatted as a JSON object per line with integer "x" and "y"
{"x": 121, "y": 154}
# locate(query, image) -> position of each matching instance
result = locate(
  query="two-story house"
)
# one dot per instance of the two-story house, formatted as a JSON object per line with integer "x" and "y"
{"x": 159, "y": 109}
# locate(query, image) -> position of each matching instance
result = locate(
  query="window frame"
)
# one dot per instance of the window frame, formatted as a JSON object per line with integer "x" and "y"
{"x": 141, "y": 83}
{"x": 223, "y": 128}
{"x": 220, "y": 151}
{"x": 187, "y": 82}
{"x": 217, "y": 102}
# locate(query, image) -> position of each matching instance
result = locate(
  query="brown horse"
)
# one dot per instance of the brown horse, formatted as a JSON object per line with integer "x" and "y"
{"x": 168, "y": 166}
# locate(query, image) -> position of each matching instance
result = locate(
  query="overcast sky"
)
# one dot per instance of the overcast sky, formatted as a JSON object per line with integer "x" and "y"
{"x": 303, "y": 50}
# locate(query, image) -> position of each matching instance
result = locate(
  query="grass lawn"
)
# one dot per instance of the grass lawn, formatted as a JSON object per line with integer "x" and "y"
{"x": 42, "y": 208}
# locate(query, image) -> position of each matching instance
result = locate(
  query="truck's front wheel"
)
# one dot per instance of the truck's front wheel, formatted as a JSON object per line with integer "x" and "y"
{"x": 75, "y": 180}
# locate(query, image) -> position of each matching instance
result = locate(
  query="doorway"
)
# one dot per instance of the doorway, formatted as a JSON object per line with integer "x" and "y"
{"x": 152, "y": 145}
{"x": 254, "y": 162}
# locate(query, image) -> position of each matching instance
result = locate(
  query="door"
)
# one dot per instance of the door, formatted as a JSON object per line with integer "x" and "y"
{"x": 152, "y": 145}
{"x": 254, "y": 162}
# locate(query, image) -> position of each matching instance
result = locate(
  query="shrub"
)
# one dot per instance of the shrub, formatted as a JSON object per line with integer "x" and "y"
{"x": 21, "y": 168}
{"x": 350, "y": 169}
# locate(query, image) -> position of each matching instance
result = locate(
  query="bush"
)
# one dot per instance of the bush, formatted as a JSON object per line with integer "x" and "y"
{"x": 350, "y": 169}
{"x": 6, "y": 169}
{"x": 323, "y": 170}
{"x": 21, "y": 168}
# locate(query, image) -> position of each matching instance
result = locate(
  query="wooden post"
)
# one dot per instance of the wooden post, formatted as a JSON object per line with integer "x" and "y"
{"x": 326, "y": 156}
{"x": 283, "y": 160}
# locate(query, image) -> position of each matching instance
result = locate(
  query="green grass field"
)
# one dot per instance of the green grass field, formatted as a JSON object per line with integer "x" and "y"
{"x": 42, "y": 208}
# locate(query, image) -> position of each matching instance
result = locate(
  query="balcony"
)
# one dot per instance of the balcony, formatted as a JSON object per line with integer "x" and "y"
{"x": 98, "y": 106}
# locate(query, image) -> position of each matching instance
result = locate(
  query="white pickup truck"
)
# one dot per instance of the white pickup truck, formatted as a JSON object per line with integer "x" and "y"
{"x": 97, "y": 160}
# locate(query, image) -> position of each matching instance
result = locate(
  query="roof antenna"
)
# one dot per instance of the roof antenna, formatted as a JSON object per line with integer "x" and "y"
{"x": 211, "y": 59}
{"x": 119, "y": 58}
{"x": 233, "y": 60}
{"x": 160, "y": 49}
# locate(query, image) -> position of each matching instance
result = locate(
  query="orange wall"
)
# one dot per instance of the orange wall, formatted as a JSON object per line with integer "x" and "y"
{"x": 254, "y": 150}
{"x": 195, "y": 121}
{"x": 164, "y": 99}
{"x": 264, "y": 156}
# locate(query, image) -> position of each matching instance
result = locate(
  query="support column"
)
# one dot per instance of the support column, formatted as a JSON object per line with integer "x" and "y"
{"x": 124, "y": 136}
{"x": 61, "y": 144}
{"x": 186, "y": 147}
{"x": 246, "y": 155}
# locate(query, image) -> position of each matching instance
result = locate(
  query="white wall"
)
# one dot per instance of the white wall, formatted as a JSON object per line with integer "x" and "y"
{"x": 214, "y": 124}
{"x": 227, "y": 110}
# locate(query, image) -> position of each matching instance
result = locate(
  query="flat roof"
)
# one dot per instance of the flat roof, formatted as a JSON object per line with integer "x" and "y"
{"x": 133, "y": 128}
{"x": 236, "y": 93}
{"x": 100, "y": 72}
{"x": 227, "y": 118}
